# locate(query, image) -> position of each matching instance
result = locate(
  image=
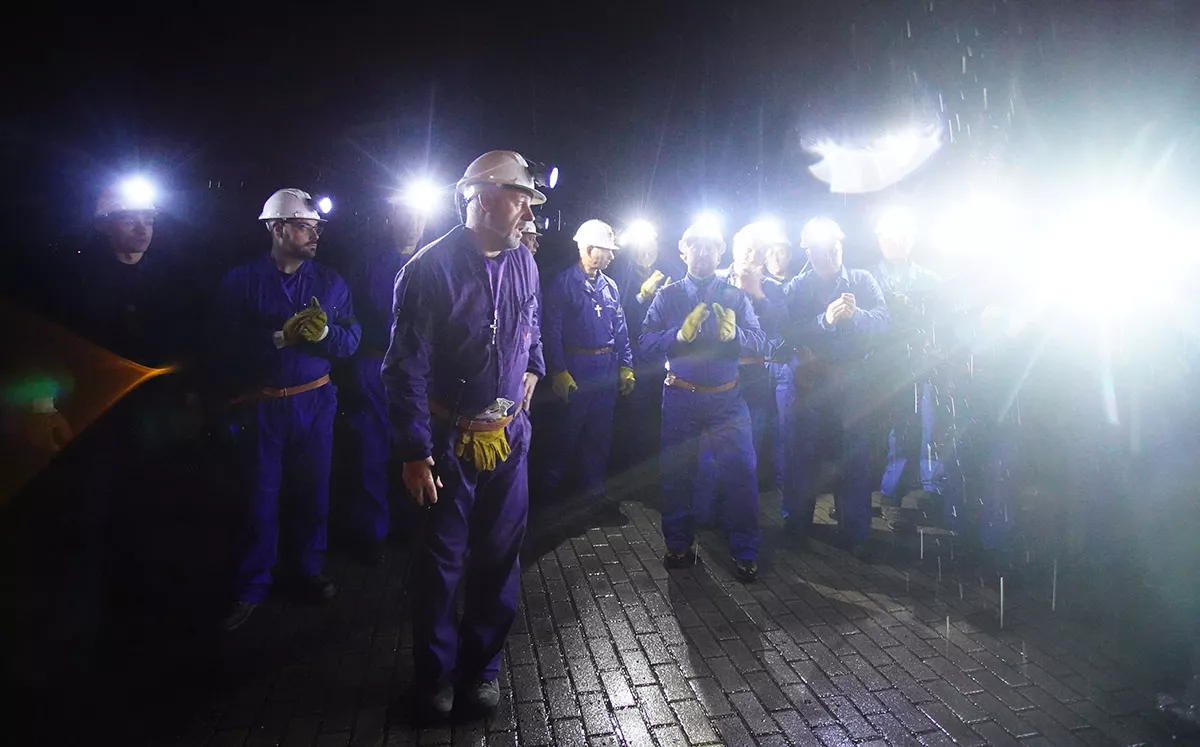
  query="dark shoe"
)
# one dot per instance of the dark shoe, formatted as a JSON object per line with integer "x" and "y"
{"x": 238, "y": 616}
{"x": 676, "y": 559}
{"x": 317, "y": 587}
{"x": 484, "y": 695}
{"x": 441, "y": 703}
{"x": 745, "y": 570}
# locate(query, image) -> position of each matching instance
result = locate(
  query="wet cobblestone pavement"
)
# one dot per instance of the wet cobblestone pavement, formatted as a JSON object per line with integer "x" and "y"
{"x": 611, "y": 649}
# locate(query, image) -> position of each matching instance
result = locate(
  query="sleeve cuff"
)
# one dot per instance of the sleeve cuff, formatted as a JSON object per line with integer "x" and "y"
{"x": 277, "y": 338}
{"x": 324, "y": 333}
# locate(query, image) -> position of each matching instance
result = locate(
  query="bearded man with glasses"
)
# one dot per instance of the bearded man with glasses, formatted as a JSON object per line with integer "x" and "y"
{"x": 280, "y": 321}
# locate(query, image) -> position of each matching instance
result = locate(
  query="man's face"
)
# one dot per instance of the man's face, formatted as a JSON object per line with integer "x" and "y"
{"x": 646, "y": 253}
{"x": 505, "y": 213}
{"x": 826, "y": 259}
{"x": 531, "y": 241}
{"x": 596, "y": 257}
{"x": 407, "y": 226}
{"x": 778, "y": 259}
{"x": 701, "y": 256}
{"x": 299, "y": 237}
{"x": 749, "y": 256}
{"x": 895, "y": 247}
{"x": 129, "y": 233}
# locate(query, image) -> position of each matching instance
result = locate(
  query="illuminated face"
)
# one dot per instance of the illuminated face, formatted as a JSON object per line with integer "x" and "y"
{"x": 129, "y": 232}
{"x": 826, "y": 259}
{"x": 505, "y": 213}
{"x": 407, "y": 226}
{"x": 298, "y": 237}
{"x": 646, "y": 253}
{"x": 531, "y": 241}
{"x": 701, "y": 256}
{"x": 779, "y": 260}
{"x": 895, "y": 247}
{"x": 596, "y": 258}
{"x": 749, "y": 255}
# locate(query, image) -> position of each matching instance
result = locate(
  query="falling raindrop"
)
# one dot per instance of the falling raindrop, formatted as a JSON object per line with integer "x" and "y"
{"x": 970, "y": 52}
{"x": 985, "y": 102}
{"x": 964, "y": 65}
{"x": 957, "y": 122}
{"x": 941, "y": 104}
{"x": 908, "y": 26}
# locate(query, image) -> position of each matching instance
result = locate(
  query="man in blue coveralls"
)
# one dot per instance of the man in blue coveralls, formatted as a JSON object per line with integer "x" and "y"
{"x": 282, "y": 318}
{"x": 588, "y": 358}
{"x": 370, "y": 510}
{"x": 703, "y": 326}
{"x": 464, "y": 359}
{"x": 912, "y": 295}
{"x": 832, "y": 314}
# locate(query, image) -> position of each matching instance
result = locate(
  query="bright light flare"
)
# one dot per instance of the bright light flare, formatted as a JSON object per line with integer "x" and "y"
{"x": 325, "y": 205}
{"x": 138, "y": 193}
{"x": 1116, "y": 252}
{"x": 552, "y": 178}
{"x": 639, "y": 232}
{"x": 896, "y": 222}
{"x": 709, "y": 221}
{"x": 858, "y": 169}
{"x": 982, "y": 225}
{"x": 422, "y": 196}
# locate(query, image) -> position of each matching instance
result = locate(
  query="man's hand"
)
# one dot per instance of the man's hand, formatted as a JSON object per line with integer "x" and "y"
{"x": 726, "y": 322}
{"x": 691, "y": 325}
{"x": 531, "y": 382}
{"x": 47, "y": 431}
{"x": 750, "y": 281}
{"x": 652, "y": 284}
{"x": 563, "y": 384}
{"x": 842, "y": 308}
{"x": 307, "y": 324}
{"x": 420, "y": 482}
{"x": 625, "y": 381}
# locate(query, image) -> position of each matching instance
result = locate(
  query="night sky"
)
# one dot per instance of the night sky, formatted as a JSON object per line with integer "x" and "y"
{"x": 658, "y": 109}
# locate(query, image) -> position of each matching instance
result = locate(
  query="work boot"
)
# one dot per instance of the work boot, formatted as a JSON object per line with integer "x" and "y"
{"x": 238, "y": 616}
{"x": 441, "y": 703}
{"x": 745, "y": 570}
{"x": 485, "y": 695}
{"x": 676, "y": 559}
{"x": 317, "y": 587}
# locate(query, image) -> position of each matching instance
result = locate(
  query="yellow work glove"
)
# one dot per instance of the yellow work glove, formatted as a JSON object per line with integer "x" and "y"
{"x": 726, "y": 323}
{"x": 563, "y": 383}
{"x": 293, "y": 328}
{"x": 691, "y": 325}
{"x": 652, "y": 284}
{"x": 625, "y": 381}
{"x": 484, "y": 449}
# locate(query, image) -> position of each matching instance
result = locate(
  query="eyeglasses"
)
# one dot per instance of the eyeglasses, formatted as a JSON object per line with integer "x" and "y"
{"x": 314, "y": 229}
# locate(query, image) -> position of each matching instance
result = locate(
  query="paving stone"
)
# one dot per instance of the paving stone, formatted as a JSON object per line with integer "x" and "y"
{"x": 655, "y": 709}
{"x": 695, "y": 721}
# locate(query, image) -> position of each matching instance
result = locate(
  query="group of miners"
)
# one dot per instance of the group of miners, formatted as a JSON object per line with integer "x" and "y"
{"x": 715, "y": 382}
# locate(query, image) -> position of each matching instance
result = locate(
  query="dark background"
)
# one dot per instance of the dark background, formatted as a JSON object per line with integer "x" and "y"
{"x": 655, "y": 109}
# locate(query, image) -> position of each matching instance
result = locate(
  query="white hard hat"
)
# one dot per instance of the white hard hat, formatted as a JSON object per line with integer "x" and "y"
{"x": 505, "y": 168}
{"x": 130, "y": 196}
{"x": 703, "y": 231}
{"x": 596, "y": 233}
{"x": 290, "y": 203}
{"x": 763, "y": 233}
{"x": 819, "y": 232}
{"x": 531, "y": 227}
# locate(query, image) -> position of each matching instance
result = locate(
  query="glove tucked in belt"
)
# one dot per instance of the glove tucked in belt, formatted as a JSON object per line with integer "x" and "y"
{"x": 483, "y": 443}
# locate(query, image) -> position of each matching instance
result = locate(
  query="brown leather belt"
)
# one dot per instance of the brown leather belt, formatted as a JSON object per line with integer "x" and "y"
{"x": 675, "y": 381}
{"x": 588, "y": 351}
{"x": 269, "y": 393}
{"x": 751, "y": 361}
{"x": 472, "y": 426}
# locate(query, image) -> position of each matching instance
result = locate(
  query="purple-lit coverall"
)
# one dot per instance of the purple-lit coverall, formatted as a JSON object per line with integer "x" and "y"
{"x": 444, "y": 349}
{"x": 583, "y": 314}
{"x": 758, "y": 389}
{"x": 721, "y": 419}
{"x": 839, "y": 398}
{"x": 293, "y": 435}
{"x": 370, "y": 508}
